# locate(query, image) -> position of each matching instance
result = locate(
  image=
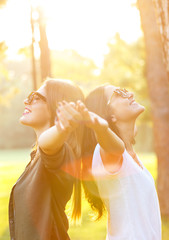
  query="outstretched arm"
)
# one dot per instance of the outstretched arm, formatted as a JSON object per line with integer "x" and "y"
{"x": 108, "y": 140}
{"x": 67, "y": 119}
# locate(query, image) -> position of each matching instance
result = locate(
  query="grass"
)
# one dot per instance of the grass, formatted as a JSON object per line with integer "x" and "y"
{"x": 12, "y": 164}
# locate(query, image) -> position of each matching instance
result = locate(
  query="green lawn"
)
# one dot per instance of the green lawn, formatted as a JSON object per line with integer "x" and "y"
{"x": 12, "y": 163}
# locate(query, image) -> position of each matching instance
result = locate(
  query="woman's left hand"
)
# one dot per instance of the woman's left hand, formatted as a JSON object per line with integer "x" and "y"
{"x": 68, "y": 118}
{"x": 91, "y": 119}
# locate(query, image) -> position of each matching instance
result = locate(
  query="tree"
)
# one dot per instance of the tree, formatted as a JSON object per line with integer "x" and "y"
{"x": 157, "y": 80}
{"x": 68, "y": 64}
{"x": 34, "y": 72}
{"x": 44, "y": 48}
{"x": 7, "y": 89}
{"x": 124, "y": 66}
{"x": 39, "y": 38}
{"x": 162, "y": 14}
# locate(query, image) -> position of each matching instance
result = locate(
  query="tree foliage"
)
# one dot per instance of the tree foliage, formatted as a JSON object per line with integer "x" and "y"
{"x": 124, "y": 66}
{"x": 69, "y": 64}
{"x": 7, "y": 89}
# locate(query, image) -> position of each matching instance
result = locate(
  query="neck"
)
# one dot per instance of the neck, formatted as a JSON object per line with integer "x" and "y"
{"x": 126, "y": 131}
{"x": 40, "y": 130}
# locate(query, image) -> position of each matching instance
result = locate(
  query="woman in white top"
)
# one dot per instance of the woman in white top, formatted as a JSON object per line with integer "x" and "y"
{"x": 121, "y": 183}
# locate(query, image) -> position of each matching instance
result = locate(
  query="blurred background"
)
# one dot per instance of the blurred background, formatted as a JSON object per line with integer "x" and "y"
{"x": 124, "y": 43}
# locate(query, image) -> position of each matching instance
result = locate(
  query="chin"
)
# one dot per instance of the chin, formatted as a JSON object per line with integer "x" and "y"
{"x": 140, "y": 109}
{"x": 24, "y": 121}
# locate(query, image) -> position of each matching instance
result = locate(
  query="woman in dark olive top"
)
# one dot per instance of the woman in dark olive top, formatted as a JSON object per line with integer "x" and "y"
{"x": 38, "y": 198}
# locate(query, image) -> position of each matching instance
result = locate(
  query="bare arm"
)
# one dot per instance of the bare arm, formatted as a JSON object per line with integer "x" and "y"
{"x": 51, "y": 140}
{"x": 110, "y": 143}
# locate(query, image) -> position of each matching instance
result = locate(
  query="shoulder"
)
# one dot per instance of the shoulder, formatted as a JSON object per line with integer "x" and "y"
{"x": 56, "y": 160}
{"x": 111, "y": 163}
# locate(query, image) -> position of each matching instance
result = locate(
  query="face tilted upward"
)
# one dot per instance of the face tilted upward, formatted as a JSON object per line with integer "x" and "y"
{"x": 123, "y": 106}
{"x": 36, "y": 112}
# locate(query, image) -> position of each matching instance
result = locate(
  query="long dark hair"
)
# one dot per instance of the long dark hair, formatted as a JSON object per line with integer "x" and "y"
{"x": 96, "y": 101}
{"x": 57, "y": 91}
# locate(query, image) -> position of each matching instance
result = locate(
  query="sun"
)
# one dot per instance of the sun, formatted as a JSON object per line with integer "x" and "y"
{"x": 85, "y": 26}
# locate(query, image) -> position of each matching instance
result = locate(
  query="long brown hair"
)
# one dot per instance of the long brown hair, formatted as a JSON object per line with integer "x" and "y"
{"x": 57, "y": 91}
{"x": 96, "y": 101}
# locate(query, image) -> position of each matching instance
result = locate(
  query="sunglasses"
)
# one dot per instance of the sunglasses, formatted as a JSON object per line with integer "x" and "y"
{"x": 33, "y": 95}
{"x": 120, "y": 92}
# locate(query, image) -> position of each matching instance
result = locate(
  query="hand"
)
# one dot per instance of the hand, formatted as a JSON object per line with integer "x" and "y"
{"x": 68, "y": 117}
{"x": 91, "y": 120}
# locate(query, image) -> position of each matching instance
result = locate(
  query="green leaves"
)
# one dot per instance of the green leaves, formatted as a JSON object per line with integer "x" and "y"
{"x": 124, "y": 66}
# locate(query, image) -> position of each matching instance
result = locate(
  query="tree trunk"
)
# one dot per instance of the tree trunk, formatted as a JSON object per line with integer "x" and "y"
{"x": 158, "y": 86}
{"x": 45, "y": 53}
{"x": 34, "y": 77}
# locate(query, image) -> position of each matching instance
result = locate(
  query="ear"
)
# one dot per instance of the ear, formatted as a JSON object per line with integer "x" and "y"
{"x": 113, "y": 118}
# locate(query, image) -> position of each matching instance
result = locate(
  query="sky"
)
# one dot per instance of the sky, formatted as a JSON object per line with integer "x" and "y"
{"x": 83, "y": 25}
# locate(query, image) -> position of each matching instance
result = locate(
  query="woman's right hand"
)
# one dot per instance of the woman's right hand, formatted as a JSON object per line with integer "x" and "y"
{"x": 109, "y": 142}
{"x": 67, "y": 120}
{"x": 67, "y": 117}
{"x": 90, "y": 119}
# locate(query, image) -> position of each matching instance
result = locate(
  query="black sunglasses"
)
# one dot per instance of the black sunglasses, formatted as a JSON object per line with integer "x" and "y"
{"x": 32, "y": 95}
{"x": 122, "y": 92}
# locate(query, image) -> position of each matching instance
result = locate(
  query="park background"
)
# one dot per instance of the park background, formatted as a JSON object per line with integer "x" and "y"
{"x": 122, "y": 42}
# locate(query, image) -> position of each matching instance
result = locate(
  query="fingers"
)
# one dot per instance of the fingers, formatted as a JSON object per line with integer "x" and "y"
{"x": 95, "y": 122}
{"x": 70, "y": 115}
{"x": 83, "y": 110}
{"x": 80, "y": 106}
{"x": 89, "y": 118}
{"x": 63, "y": 122}
{"x": 67, "y": 116}
{"x": 71, "y": 109}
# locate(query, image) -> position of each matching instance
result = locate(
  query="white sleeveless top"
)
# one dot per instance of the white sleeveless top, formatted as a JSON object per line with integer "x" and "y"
{"x": 130, "y": 198}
